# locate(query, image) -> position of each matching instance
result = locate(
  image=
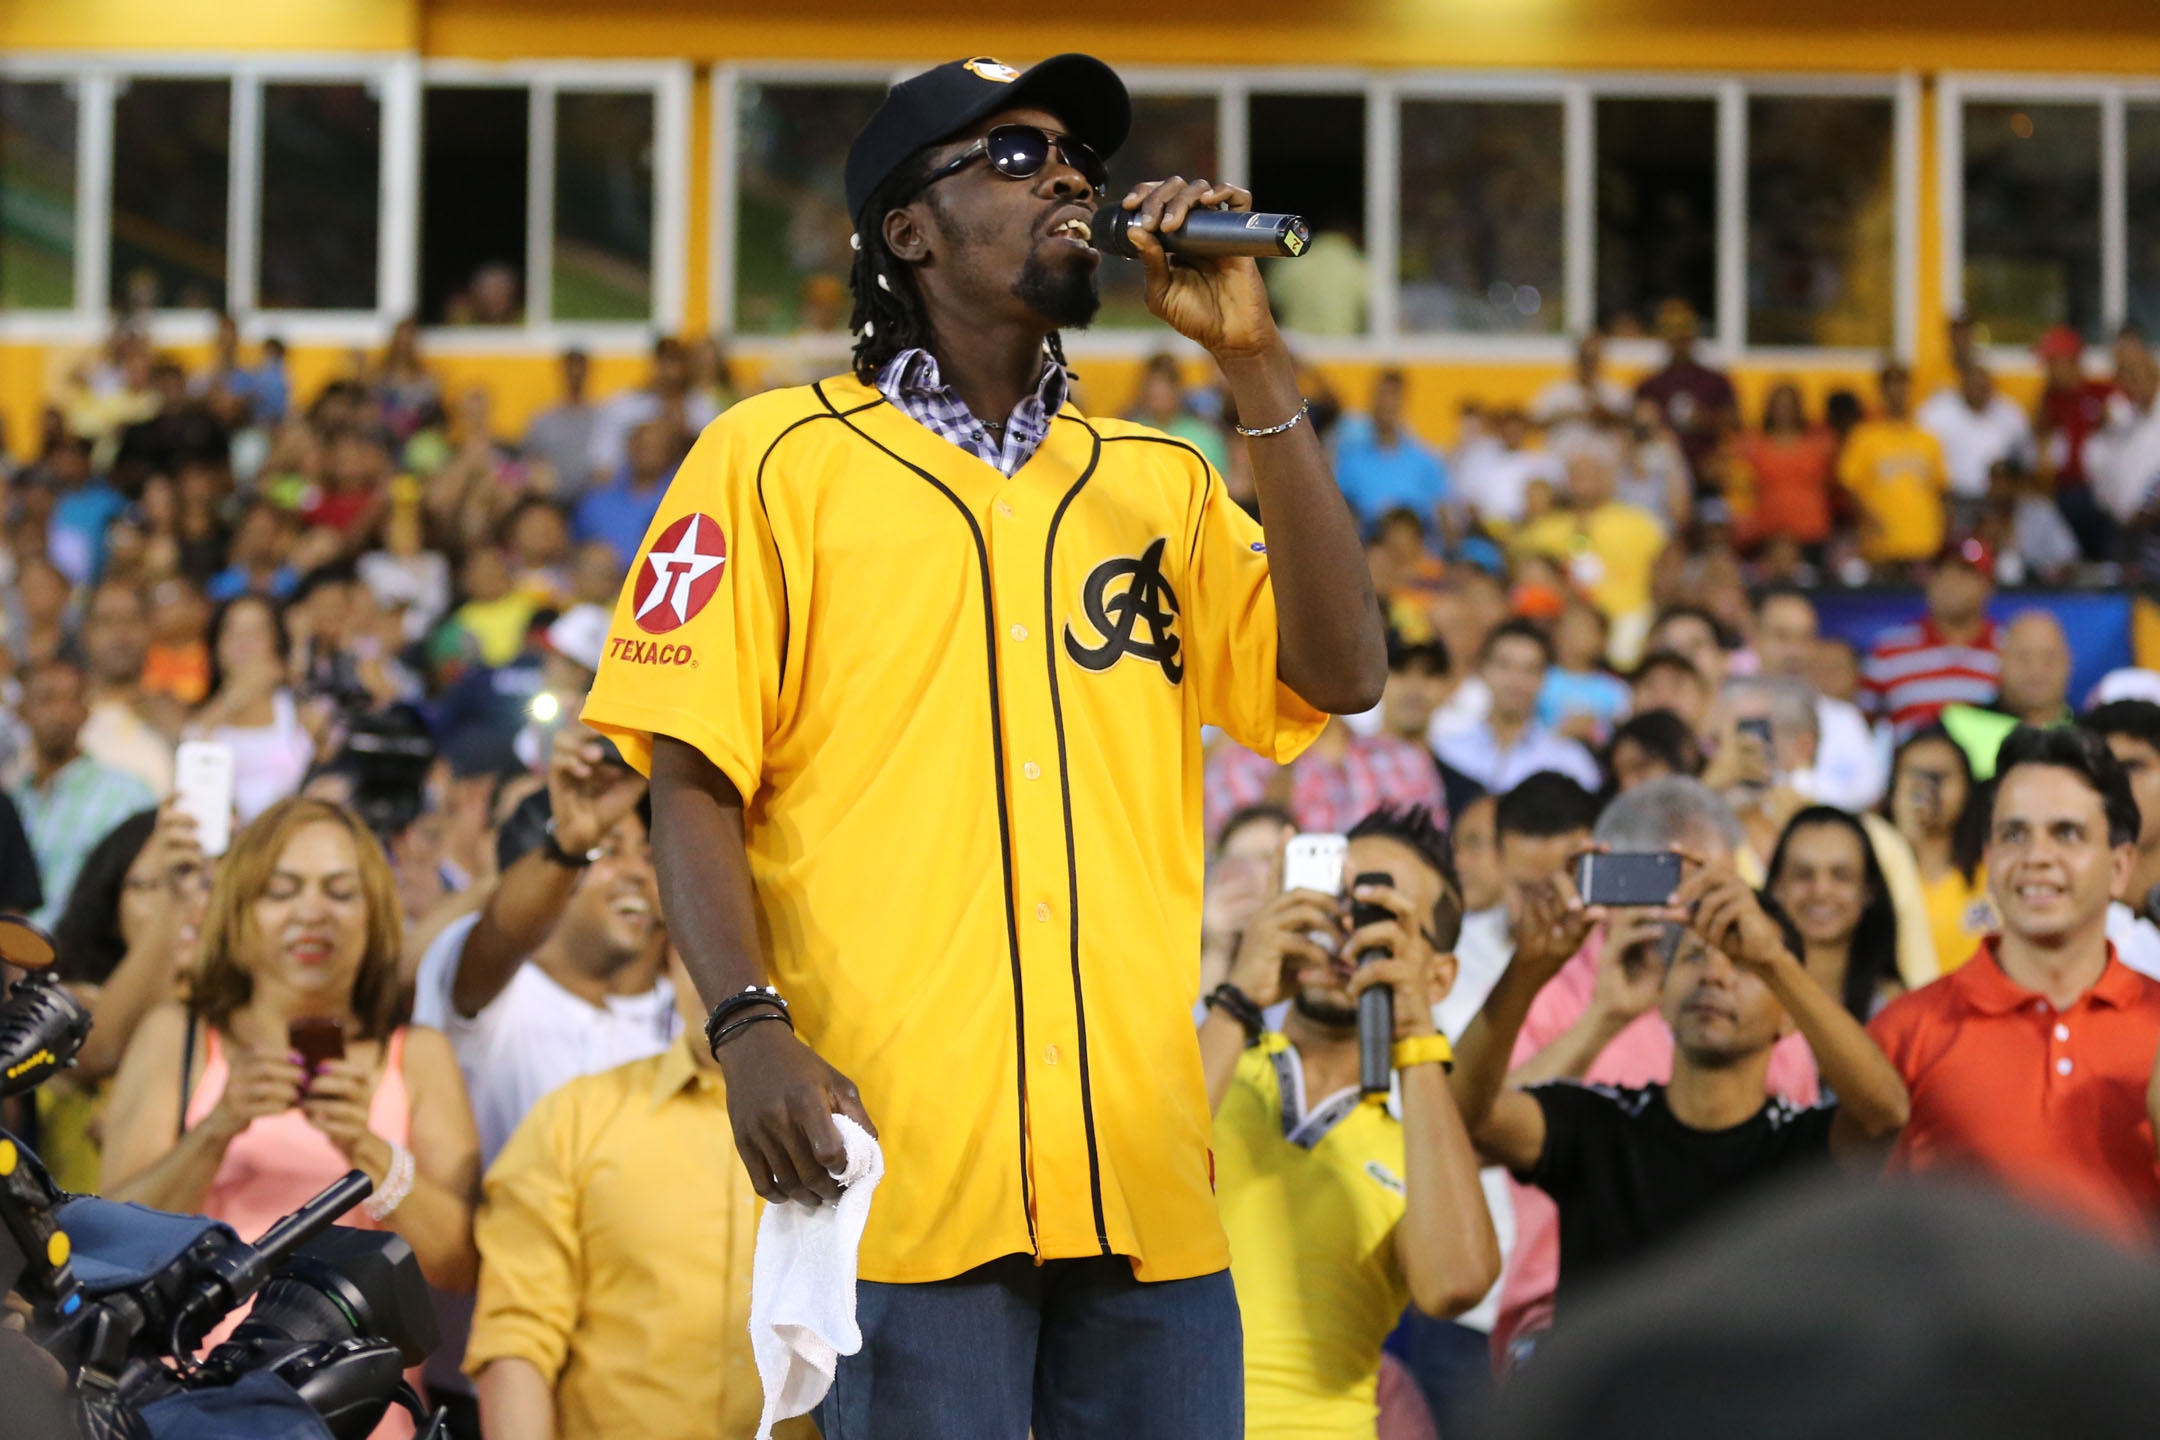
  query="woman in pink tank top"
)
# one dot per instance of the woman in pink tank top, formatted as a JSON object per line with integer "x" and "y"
{"x": 214, "y": 1112}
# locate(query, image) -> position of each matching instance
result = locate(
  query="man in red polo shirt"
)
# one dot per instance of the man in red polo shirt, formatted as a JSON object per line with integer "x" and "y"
{"x": 2029, "y": 1064}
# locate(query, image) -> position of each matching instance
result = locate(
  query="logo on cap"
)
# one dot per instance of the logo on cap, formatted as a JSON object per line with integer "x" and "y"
{"x": 681, "y": 571}
{"x": 990, "y": 69}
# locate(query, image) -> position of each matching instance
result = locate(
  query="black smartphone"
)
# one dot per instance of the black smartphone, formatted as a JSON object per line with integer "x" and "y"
{"x": 1759, "y": 727}
{"x": 317, "y": 1040}
{"x": 611, "y": 753}
{"x": 1628, "y": 879}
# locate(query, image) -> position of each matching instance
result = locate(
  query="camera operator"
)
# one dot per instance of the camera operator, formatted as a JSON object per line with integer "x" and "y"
{"x": 1340, "y": 1215}
{"x": 212, "y": 1113}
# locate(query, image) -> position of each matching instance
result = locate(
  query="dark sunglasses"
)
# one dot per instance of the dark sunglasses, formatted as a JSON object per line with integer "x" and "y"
{"x": 1019, "y": 152}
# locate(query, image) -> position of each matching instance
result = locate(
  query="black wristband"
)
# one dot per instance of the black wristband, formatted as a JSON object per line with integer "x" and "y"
{"x": 750, "y": 997}
{"x": 1240, "y": 1007}
{"x": 556, "y": 855}
{"x": 745, "y": 1023}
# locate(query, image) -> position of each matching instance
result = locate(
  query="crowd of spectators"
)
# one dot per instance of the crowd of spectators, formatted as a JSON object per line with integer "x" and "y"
{"x": 1601, "y": 632}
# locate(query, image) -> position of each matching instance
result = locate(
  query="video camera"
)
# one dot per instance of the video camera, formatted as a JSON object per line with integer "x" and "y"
{"x": 122, "y": 1296}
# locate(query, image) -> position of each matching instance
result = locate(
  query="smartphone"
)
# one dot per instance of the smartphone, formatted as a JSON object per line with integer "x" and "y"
{"x": 1628, "y": 879}
{"x": 611, "y": 753}
{"x": 203, "y": 779}
{"x": 317, "y": 1040}
{"x": 1313, "y": 861}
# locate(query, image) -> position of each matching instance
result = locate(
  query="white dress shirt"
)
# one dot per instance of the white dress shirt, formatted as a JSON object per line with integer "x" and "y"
{"x": 1975, "y": 440}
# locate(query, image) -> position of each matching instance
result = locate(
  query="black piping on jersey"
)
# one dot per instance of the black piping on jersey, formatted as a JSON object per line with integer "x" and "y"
{"x": 1192, "y": 547}
{"x": 997, "y": 755}
{"x": 787, "y": 620}
{"x": 1072, "y": 849}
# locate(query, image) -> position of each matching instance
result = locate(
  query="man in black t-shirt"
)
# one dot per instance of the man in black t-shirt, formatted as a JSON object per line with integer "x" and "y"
{"x": 1627, "y": 1167}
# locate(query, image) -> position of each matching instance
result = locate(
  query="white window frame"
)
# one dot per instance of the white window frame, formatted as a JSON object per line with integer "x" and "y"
{"x": 97, "y": 80}
{"x": 669, "y": 82}
{"x": 2110, "y": 98}
{"x": 1577, "y": 93}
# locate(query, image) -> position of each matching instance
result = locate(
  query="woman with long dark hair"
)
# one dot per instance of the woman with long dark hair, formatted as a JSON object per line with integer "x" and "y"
{"x": 1941, "y": 811}
{"x": 1825, "y": 877}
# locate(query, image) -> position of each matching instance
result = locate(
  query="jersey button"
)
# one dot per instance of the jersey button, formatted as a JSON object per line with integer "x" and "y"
{"x": 1019, "y": 632}
{"x": 1005, "y": 508}
{"x": 2062, "y": 1032}
{"x": 1042, "y": 912}
{"x": 1050, "y": 1055}
{"x": 2062, "y": 1066}
{"x": 1034, "y": 772}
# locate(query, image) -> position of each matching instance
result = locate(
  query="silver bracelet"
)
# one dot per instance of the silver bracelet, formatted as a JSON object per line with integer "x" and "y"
{"x": 1303, "y": 407}
{"x": 397, "y": 1184}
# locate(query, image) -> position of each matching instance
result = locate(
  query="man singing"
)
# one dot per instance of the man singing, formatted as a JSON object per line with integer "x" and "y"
{"x": 917, "y": 659}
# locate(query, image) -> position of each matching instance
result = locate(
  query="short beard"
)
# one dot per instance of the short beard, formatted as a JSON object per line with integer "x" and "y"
{"x": 1331, "y": 1017}
{"x": 1068, "y": 300}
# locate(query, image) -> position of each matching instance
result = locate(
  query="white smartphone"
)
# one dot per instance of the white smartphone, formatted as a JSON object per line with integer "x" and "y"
{"x": 203, "y": 779}
{"x": 1312, "y": 861}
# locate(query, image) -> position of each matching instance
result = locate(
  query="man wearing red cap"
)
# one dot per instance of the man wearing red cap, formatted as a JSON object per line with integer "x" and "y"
{"x": 2072, "y": 409}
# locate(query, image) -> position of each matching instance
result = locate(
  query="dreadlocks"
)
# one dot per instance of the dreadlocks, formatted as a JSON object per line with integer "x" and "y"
{"x": 888, "y": 317}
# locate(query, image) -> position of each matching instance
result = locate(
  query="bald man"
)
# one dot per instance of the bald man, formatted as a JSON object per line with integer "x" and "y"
{"x": 2035, "y": 690}
{"x": 2035, "y": 670}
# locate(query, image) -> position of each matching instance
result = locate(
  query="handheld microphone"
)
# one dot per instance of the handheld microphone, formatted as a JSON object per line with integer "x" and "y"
{"x": 1376, "y": 1006}
{"x": 1208, "y": 233}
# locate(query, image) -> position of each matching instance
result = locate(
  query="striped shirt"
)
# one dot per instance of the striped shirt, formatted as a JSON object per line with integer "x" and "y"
{"x": 65, "y": 820}
{"x": 1325, "y": 794}
{"x": 1914, "y": 671}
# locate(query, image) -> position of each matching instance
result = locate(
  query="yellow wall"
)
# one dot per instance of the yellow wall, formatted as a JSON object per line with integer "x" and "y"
{"x": 2062, "y": 36}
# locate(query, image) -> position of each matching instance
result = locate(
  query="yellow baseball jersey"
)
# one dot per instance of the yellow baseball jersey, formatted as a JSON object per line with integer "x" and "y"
{"x": 1312, "y": 1252}
{"x": 964, "y": 712}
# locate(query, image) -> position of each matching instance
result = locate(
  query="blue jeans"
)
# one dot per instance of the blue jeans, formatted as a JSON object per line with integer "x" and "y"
{"x": 1072, "y": 1349}
{"x": 1453, "y": 1366}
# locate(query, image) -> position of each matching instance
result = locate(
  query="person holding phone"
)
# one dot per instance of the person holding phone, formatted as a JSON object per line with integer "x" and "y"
{"x": 1630, "y": 1167}
{"x": 1932, "y": 802}
{"x": 215, "y": 1110}
{"x": 1342, "y": 1214}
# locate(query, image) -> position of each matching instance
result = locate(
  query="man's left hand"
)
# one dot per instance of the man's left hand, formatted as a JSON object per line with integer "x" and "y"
{"x": 1721, "y": 908}
{"x": 1421, "y": 979}
{"x": 1220, "y": 303}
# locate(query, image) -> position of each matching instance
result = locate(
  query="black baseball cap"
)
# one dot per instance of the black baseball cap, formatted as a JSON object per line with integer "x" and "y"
{"x": 923, "y": 109}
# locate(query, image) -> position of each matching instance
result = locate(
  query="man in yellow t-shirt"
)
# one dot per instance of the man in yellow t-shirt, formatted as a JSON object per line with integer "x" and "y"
{"x": 1606, "y": 546}
{"x": 1897, "y": 474}
{"x": 918, "y": 659}
{"x": 1339, "y": 1213}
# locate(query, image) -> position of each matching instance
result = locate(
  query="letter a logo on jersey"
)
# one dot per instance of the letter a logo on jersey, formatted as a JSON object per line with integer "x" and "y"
{"x": 1146, "y": 601}
{"x": 680, "y": 573}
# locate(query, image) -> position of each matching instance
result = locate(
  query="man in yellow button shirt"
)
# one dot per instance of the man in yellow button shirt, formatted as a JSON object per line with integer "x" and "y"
{"x": 1897, "y": 474}
{"x": 918, "y": 659}
{"x": 615, "y": 1244}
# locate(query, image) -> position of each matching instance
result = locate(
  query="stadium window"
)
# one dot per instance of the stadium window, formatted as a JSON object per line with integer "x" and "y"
{"x": 603, "y": 252}
{"x": 321, "y": 196}
{"x": 1482, "y": 205}
{"x": 1821, "y": 220}
{"x": 473, "y": 179}
{"x": 171, "y": 177}
{"x": 1171, "y": 135}
{"x": 37, "y": 195}
{"x": 1657, "y": 213}
{"x": 791, "y": 225}
{"x": 2031, "y": 228}
{"x": 1308, "y": 157}
{"x": 2141, "y": 175}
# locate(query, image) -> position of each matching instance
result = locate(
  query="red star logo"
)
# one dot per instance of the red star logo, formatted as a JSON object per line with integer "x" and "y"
{"x": 680, "y": 573}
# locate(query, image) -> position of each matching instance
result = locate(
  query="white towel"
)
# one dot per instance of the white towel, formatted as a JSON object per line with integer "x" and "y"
{"x": 802, "y": 1285}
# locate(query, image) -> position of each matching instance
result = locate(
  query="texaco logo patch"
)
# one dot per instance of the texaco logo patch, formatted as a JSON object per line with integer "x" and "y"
{"x": 680, "y": 573}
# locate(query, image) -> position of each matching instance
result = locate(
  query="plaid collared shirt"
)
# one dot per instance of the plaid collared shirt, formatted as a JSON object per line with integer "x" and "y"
{"x": 910, "y": 380}
{"x": 1329, "y": 795}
